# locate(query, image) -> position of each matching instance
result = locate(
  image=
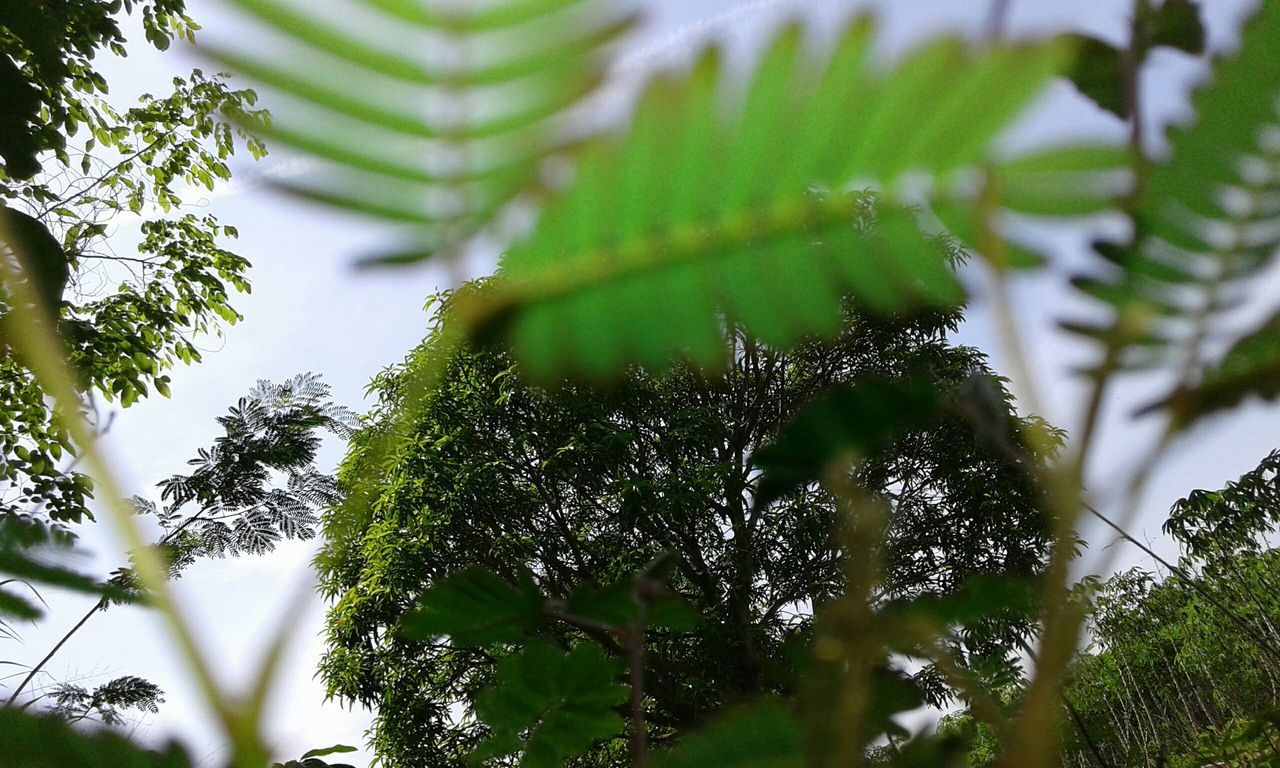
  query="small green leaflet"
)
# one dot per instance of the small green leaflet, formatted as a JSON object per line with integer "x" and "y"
{"x": 548, "y": 705}
{"x": 476, "y": 607}
{"x": 1099, "y": 68}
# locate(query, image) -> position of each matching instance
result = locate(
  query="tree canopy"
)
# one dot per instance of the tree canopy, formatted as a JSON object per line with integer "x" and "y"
{"x": 570, "y": 485}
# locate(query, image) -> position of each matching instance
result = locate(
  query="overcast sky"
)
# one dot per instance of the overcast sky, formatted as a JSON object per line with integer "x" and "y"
{"x": 310, "y": 311}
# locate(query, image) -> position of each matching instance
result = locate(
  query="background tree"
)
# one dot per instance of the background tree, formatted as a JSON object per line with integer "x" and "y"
{"x": 574, "y": 486}
{"x": 254, "y": 486}
{"x": 77, "y": 168}
{"x": 1185, "y": 664}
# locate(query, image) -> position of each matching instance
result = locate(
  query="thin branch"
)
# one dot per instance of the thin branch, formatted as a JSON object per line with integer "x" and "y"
{"x": 639, "y": 743}
{"x": 100, "y": 605}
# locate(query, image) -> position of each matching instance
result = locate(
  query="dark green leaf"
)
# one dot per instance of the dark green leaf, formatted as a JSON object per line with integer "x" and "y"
{"x": 475, "y": 607}
{"x": 849, "y": 421}
{"x": 763, "y": 735}
{"x": 1098, "y": 73}
{"x": 46, "y": 741}
{"x": 550, "y": 705}
{"x": 1177, "y": 24}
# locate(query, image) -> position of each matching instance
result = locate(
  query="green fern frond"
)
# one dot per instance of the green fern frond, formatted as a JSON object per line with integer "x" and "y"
{"x": 444, "y": 140}
{"x": 714, "y": 208}
{"x": 1207, "y": 221}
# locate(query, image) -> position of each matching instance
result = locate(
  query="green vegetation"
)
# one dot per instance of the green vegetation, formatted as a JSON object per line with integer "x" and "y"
{"x": 1184, "y": 666}
{"x": 568, "y": 493}
{"x": 695, "y": 478}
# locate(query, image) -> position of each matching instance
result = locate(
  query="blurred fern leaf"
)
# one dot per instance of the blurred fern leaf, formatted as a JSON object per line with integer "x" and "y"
{"x": 441, "y": 133}
{"x": 715, "y": 207}
{"x": 1207, "y": 221}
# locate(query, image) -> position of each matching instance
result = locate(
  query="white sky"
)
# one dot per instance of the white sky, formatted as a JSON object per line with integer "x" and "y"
{"x": 310, "y": 311}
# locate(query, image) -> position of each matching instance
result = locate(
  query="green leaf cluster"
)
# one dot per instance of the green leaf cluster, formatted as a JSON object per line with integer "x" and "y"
{"x": 547, "y": 705}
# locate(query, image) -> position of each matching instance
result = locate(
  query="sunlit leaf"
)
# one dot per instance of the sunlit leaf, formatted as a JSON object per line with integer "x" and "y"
{"x": 715, "y": 207}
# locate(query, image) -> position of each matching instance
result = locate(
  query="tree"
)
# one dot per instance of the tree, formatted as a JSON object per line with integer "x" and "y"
{"x": 256, "y": 485}
{"x": 569, "y": 486}
{"x": 1186, "y": 665}
{"x": 76, "y": 168}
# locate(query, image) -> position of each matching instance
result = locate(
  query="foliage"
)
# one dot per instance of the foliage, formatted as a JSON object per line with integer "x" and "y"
{"x": 254, "y": 486}
{"x": 730, "y": 225}
{"x": 1186, "y": 666}
{"x": 124, "y": 317}
{"x": 564, "y": 702}
{"x": 508, "y": 500}
{"x": 46, "y": 71}
{"x": 104, "y": 702}
{"x": 48, "y": 741}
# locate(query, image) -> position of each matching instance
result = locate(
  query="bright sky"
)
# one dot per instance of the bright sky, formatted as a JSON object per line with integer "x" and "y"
{"x": 310, "y": 311}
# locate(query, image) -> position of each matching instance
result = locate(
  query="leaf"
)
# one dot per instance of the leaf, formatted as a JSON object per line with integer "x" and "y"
{"x": 18, "y": 607}
{"x": 1250, "y": 367}
{"x": 853, "y": 420}
{"x": 43, "y": 260}
{"x": 1177, "y": 24}
{"x": 615, "y": 605}
{"x": 550, "y": 705}
{"x": 1098, "y": 73}
{"x": 762, "y": 735}
{"x": 46, "y": 741}
{"x": 334, "y": 750}
{"x": 1099, "y": 69}
{"x": 1208, "y": 220}
{"x": 445, "y": 141}
{"x": 475, "y": 607}
{"x": 703, "y": 212}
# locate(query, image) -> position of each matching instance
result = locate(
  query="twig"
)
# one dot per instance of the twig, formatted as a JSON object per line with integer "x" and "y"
{"x": 644, "y": 593}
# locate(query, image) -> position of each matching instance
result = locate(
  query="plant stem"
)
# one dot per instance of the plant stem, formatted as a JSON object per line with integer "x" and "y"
{"x": 635, "y": 663}
{"x": 100, "y": 605}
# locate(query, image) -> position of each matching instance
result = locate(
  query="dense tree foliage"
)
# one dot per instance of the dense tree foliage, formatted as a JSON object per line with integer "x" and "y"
{"x": 1185, "y": 665}
{"x": 77, "y": 168}
{"x": 573, "y": 485}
